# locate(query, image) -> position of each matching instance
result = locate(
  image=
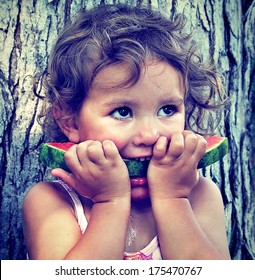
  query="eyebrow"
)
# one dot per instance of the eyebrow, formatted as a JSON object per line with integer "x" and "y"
{"x": 126, "y": 101}
{"x": 173, "y": 100}
{"x": 118, "y": 101}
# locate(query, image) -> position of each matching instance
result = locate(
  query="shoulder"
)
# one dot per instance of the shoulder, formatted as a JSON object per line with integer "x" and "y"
{"x": 44, "y": 197}
{"x": 206, "y": 196}
{"x": 48, "y": 212}
{"x": 205, "y": 188}
{"x": 207, "y": 204}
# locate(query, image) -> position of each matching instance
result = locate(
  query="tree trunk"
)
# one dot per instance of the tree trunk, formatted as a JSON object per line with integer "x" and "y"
{"x": 225, "y": 30}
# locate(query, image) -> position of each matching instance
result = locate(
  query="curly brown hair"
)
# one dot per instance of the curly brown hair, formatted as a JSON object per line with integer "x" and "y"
{"x": 114, "y": 34}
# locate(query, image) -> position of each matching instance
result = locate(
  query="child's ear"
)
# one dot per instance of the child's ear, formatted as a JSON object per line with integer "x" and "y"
{"x": 67, "y": 125}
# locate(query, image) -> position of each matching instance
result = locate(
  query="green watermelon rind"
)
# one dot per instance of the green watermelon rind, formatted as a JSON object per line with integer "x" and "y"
{"x": 216, "y": 153}
{"x": 54, "y": 158}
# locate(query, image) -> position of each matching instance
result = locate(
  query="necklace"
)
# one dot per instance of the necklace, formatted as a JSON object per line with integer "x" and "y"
{"x": 131, "y": 232}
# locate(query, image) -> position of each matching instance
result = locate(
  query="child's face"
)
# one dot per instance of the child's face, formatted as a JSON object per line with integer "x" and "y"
{"x": 133, "y": 117}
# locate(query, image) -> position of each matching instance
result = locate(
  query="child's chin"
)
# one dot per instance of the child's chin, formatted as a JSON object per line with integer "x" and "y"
{"x": 140, "y": 193}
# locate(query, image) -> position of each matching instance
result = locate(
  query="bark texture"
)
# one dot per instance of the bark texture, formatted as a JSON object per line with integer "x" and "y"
{"x": 225, "y": 30}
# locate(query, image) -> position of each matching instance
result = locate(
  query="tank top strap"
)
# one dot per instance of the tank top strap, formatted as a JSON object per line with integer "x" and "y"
{"x": 79, "y": 211}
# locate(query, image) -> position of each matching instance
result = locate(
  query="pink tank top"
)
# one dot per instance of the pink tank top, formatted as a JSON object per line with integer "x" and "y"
{"x": 150, "y": 252}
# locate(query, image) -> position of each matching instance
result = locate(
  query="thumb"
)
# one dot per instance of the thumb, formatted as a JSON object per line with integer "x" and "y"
{"x": 65, "y": 176}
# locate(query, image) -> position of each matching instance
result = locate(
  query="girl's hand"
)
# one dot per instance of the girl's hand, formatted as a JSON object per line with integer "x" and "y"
{"x": 172, "y": 171}
{"x": 98, "y": 171}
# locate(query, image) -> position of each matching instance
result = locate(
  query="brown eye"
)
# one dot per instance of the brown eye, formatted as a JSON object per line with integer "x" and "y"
{"x": 122, "y": 113}
{"x": 167, "y": 111}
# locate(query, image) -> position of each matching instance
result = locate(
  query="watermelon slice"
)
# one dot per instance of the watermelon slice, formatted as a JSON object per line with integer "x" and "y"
{"x": 52, "y": 155}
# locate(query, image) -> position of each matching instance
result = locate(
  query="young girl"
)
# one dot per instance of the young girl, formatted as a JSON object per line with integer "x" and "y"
{"x": 124, "y": 83}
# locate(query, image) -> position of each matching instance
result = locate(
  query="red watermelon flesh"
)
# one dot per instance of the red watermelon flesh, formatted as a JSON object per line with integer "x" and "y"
{"x": 52, "y": 155}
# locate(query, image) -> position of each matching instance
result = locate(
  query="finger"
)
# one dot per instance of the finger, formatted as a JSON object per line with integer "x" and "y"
{"x": 95, "y": 153}
{"x": 71, "y": 158}
{"x": 201, "y": 147}
{"x": 176, "y": 147}
{"x": 160, "y": 147}
{"x": 81, "y": 151}
{"x": 64, "y": 176}
{"x": 190, "y": 143}
{"x": 110, "y": 150}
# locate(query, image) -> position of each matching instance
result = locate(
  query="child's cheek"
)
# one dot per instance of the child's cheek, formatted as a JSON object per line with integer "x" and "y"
{"x": 119, "y": 142}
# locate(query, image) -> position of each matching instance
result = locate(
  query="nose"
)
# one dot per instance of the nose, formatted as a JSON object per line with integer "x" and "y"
{"x": 146, "y": 133}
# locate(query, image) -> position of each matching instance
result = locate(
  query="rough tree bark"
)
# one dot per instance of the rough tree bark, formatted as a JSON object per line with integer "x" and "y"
{"x": 225, "y": 30}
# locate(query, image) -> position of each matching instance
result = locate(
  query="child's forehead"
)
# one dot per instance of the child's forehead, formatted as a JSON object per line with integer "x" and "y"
{"x": 159, "y": 81}
{"x": 111, "y": 76}
{"x": 115, "y": 75}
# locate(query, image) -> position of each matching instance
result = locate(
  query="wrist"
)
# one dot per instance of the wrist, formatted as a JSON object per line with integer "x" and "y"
{"x": 119, "y": 206}
{"x": 112, "y": 199}
{"x": 159, "y": 202}
{"x": 166, "y": 194}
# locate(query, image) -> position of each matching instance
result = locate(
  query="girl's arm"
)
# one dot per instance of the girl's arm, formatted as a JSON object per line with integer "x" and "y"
{"x": 51, "y": 230}
{"x": 188, "y": 210}
{"x": 105, "y": 235}
{"x": 192, "y": 228}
